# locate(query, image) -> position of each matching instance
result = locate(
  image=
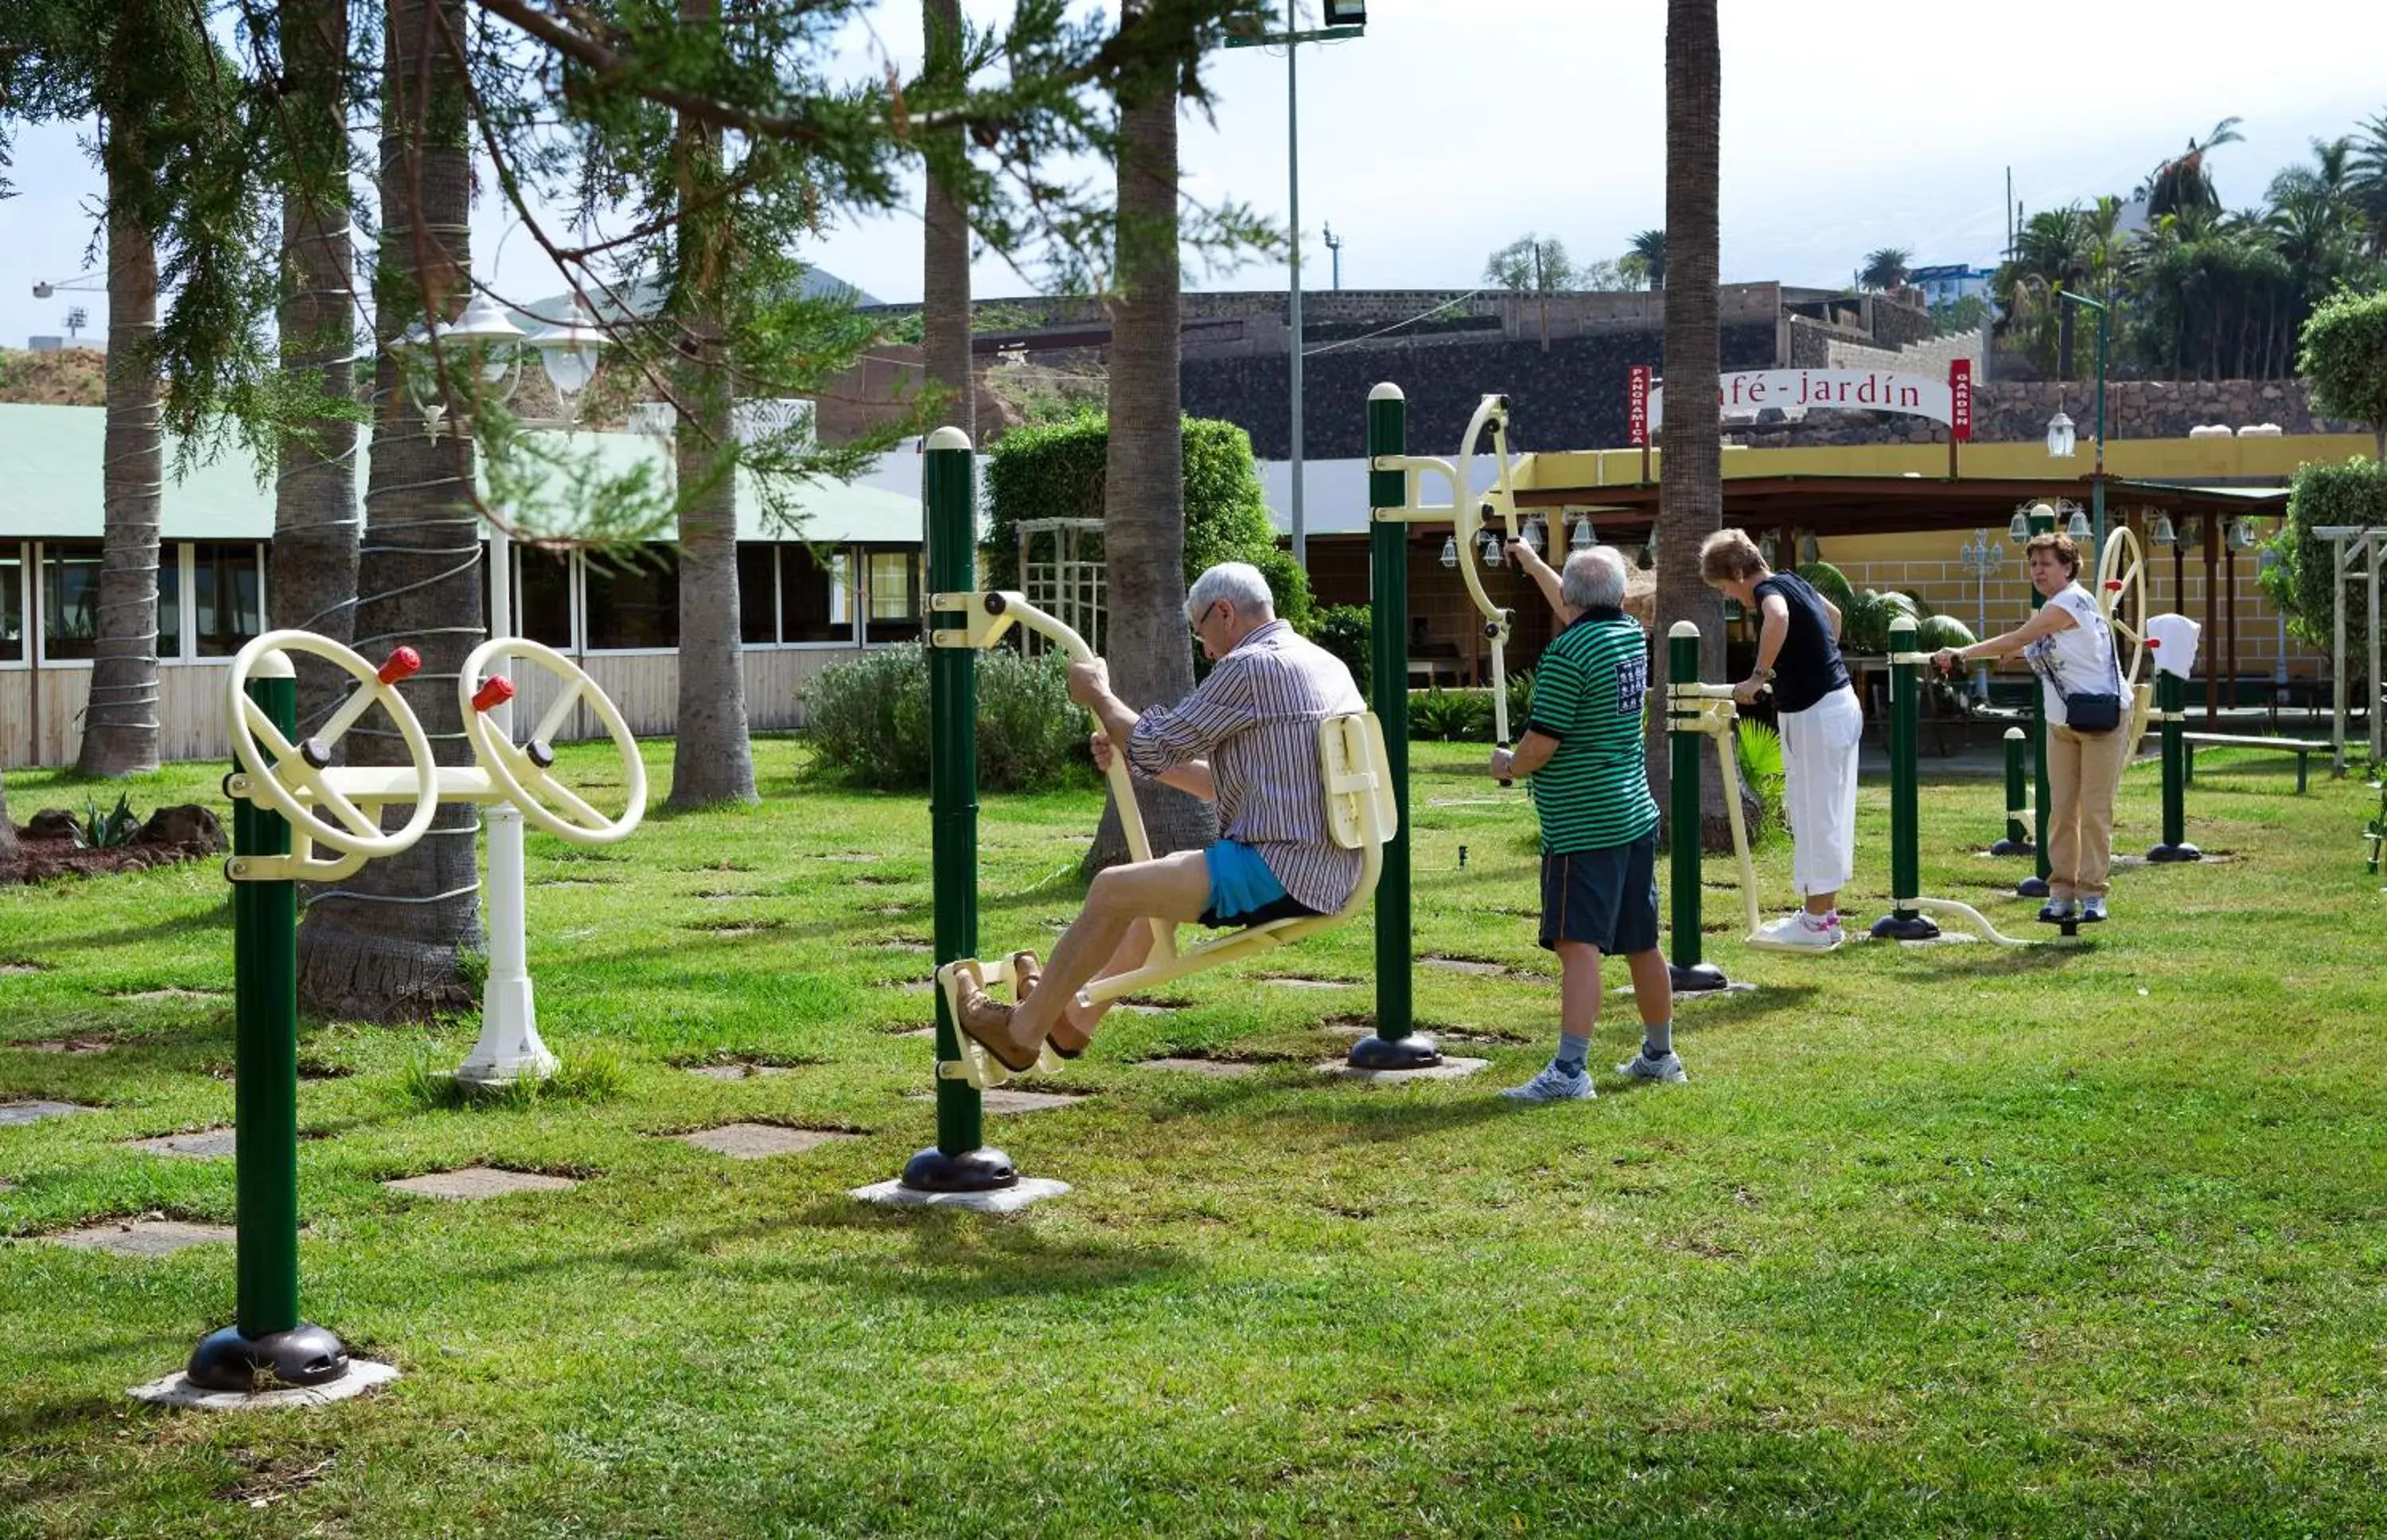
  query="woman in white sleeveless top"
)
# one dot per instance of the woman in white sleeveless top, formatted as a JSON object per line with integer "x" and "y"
{"x": 2069, "y": 646}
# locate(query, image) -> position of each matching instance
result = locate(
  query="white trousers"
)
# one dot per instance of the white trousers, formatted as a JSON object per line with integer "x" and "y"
{"x": 1819, "y": 791}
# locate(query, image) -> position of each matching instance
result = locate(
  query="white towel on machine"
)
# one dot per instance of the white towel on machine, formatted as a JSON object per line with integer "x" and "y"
{"x": 2173, "y": 640}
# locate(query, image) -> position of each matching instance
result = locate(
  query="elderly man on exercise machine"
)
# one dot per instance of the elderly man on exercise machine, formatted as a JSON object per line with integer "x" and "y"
{"x": 1246, "y": 739}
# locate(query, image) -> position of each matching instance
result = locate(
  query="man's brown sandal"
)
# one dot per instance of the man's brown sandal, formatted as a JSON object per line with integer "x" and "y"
{"x": 984, "y": 1022}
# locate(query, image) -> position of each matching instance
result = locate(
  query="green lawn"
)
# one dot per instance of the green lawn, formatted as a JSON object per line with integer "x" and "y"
{"x": 1949, "y": 1240}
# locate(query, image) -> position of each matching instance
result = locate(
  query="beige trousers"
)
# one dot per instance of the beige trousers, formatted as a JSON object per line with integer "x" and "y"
{"x": 2084, "y": 770}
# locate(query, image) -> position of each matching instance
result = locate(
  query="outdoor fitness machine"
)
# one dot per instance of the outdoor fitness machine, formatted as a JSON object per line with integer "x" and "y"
{"x": 288, "y": 798}
{"x": 1362, "y": 815}
{"x": 1695, "y": 710}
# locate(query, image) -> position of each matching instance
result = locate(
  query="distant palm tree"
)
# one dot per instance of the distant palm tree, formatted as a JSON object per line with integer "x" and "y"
{"x": 1648, "y": 250}
{"x": 2366, "y": 182}
{"x": 1885, "y": 269}
{"x": 2182, "y": 183}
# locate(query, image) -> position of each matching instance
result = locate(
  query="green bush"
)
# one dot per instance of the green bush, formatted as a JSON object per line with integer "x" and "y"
{"x": 1937, "y": 631}
{"x": 1439, "y": 715}
{"x": 1864, "y": 619}
{"x": 1759, "y": 749}
{"x": 869, "y": 720}
{"x": 2344, "y": 356}
{"x": 1342, "y": 629}
{"x": 1056, "y": 471}
{"x": 2354, "y": 493}
{"x": 1828, "y": 581}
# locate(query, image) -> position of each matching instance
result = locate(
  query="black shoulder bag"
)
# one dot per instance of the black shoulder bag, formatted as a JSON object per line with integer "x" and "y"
{"x": 2090, "y": 713}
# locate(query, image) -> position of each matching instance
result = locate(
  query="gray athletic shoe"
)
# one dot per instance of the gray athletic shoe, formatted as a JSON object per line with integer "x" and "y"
{"x": 2092, "y": 909}
{"x": 1554, "y": 1084}
{"x": 1666, "y": 1068}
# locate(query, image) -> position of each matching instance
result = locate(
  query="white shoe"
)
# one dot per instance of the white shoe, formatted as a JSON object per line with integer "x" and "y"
{"x": 1666, "y": 1068}
{"x": 1554, "y": 1084}
{"x": 1792, "y": 931}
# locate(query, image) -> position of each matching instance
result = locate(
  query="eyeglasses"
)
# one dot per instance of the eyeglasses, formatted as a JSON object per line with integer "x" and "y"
{"x": 1194, "y": 621}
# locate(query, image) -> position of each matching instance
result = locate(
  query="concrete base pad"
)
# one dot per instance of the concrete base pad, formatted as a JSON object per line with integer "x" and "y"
{"x": 141, "y": 1237}
{"x": 479, "y": 1181}
{"x": 1448, "y": 1069}
{"x": 1007, "y": 1200}
{"x": 760, "y": 1141}
{"x": 176, "y": 1390}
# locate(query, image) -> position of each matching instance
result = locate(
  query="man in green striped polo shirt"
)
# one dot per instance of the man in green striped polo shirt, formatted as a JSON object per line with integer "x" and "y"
{"x": 1582, "y": 749}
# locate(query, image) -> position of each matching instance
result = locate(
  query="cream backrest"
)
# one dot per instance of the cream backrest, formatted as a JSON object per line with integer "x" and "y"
{"x": 1361, "y": 810}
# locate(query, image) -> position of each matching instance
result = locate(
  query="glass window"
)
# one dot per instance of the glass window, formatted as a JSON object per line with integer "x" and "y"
{"x": 70, "y": 600}
{"x": 635, "y": 603}
{"x": 894, "y": 589}
{"x": 225, "y": 597}
{"x": 12, "y": 603}
{"x": 169, "y": 600}
{"x": 758, "y": 596}
{"x": 543, "y": 594}
{"x": 812, "y": 588}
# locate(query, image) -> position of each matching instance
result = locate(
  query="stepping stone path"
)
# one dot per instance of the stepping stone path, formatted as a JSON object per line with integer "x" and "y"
{"x": 1448, "y": 1069}
{"x": 140, "y": 1237}
{"x": 1225, "y": 1069}
{"x": 903, "y": 946}
{"x": 1135, "y": 1008}
{"x": 1289, "y": 983}
{"x": 479, "y": 1181}
{"x": 7, "y": 1186}
{"x": 11, "y": 970}
{"x": 175, "y": 992}
{"x": 1737, "y": 985}
{"x": 739, "y": 1071}
{"x": 760, "y": 1141}
{"x": 207, "y": 1143}
{"x": 1004, "y": 1099}
{"x": 851, "y": 857}
{"x": 92, "y": 1044}
{"x": 13, "y": 1114}
{"x": 1466, "y": 965}
{"x": 918, "y": 1032}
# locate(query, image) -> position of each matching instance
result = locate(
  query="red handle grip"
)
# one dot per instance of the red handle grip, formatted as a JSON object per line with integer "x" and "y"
{"x": 496, "y": 692}
{"x": 403, "y": 664}
{"x": 2112, "y": 584}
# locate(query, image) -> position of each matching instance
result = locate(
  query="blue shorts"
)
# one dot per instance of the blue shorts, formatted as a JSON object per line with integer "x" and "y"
{"x": 1605, "y": 898}
{"x": 1243, "y": 889}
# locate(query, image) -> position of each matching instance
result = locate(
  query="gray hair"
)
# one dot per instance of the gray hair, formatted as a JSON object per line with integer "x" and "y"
{"x": 1239, "y": 583}
{"x": 1593, "y": 579}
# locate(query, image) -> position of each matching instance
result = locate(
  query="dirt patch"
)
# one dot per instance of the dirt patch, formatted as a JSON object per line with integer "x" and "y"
{"x": 73, "y": 376}
{"x": 84, "y": 1042}
{"x": 175, "y": 992}
{"x": 172, "y": 835}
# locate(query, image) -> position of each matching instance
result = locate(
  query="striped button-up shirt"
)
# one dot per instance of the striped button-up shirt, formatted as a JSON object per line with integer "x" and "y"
{"x": 1256, "y": 720}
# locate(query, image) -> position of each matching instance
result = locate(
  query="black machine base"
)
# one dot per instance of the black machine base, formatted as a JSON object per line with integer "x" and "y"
{"x": 2165, "y": 854}
{"x": 1904, "y": 928}
{"x": 1697, "y": 979}
{"x": 304, "y": 1356}
{"x": 979, "y": 1170}
{"x": 1411, "y": 1051}
{"x": 2013, "y": 847}
{"x": 2031, "y": 887}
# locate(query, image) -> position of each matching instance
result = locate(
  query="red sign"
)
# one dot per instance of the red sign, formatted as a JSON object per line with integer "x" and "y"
{"x": 1960, "y": 400}
{"x": 1636, "y": 407}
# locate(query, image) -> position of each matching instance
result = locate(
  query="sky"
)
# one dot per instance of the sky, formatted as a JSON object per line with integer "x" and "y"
{"x": 1455, "y": 126}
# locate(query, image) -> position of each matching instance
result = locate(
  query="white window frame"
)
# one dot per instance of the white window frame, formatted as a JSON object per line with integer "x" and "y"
{"x": 25, "y": 595}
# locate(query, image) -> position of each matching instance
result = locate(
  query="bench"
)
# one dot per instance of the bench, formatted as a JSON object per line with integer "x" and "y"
{"x": 2303, "y": 748}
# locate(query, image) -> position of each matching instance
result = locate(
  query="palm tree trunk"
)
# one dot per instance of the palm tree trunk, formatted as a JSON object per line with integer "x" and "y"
{"x": 945, "y": 268}
{"x": 716, "y": 762}
{"x": 387, "y": 944}
{"x": 121, "y": 725}
{"x": 311, "y": 574}
{"x": 1690, "y": 495}
{"x": 1144, "y": 499}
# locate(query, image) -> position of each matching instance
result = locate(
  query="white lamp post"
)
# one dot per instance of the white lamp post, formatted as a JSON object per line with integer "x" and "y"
{"x": 1449, "y": 551}
{"x": 2061, "y": 438}
{"x": 1984, "y": 558}
{"x": 1584, "y": 536}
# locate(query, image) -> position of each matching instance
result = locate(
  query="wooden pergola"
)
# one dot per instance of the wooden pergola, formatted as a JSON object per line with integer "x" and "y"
{"x": 1844, "y": 505}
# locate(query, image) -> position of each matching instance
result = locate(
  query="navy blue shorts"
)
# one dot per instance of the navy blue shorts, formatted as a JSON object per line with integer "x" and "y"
{"x": 1605, "y": 898}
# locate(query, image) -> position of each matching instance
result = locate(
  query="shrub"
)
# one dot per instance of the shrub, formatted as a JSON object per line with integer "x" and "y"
{"x": 1342, "y": 629}
{"x": 1864, "y": 619}
{"x": 868, "y": 720}
{"x": 2354, "y": 493}
{"x": 1439, "y": 715}
{"x": 2344, "y": 356}
{"x": 1759, "y": 749}
{"x": 1937, "y": 631}
{"x": 1828, "y": 581}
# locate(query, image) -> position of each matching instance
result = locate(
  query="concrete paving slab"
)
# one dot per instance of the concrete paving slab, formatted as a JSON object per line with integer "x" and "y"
{"x": 479, "y": 1181}
{"x": 1448, "y": 1069}
{"x": 15, "y": 1114}
{"x": 1007, "y": 1200}
{"x": 1004, "y": 1099}
{"x": 176, "y": 1390}
{"x": 140, "y": 1237}
{"x": 1225, "y": 1069}
{"x": 760, "y": 1141}
{"x": 1737, "y": 986}
{"x": 1288, "y": 983}
{"x": 1476, "y": 965}
{"x": 79, "y": 1045}
{"x": 739, "y": 1071}
{"x": 174, "y": 992}
{"x": 205, "y": 1144}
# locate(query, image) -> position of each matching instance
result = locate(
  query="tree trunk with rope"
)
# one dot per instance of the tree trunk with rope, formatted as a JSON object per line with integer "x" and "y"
{"x": 715, "y": 761}
{"x": 119, "y": 734}
{"x": 387, "y": 943}
{"x": 1690, "y": 496}
{"x": 311, "y": 571}
{"x": 1143, "y": 497}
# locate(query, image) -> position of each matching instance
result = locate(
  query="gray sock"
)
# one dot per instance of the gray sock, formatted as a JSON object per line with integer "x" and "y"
{"x": 1572, "y": 1052}
{"x": 1658, "y": 1040}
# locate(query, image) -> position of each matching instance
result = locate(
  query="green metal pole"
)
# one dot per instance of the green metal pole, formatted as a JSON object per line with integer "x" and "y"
{"x": 267, "y": 1344}
{"x": 1903, "y": 922}
{"x": 2097, "y": 484}
{"x": 2017, "y": 838}
{"x": 2171, "y": 705}
{"x": 2035, "y": 886}
{"x": 1690, "y": 974}
{"x": 958, "y": 1161}
{"x": 1396, "y": 1044}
